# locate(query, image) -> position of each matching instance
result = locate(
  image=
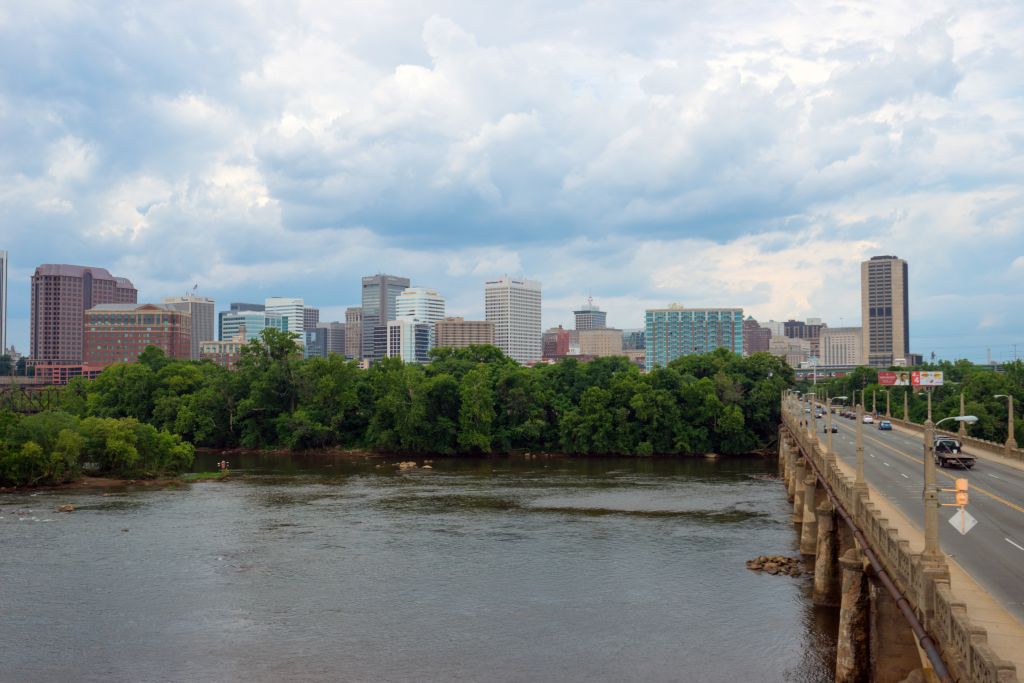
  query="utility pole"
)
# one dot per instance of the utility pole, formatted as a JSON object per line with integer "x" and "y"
{"x": 962, "y": 431}
{"x": 931, "y": 553}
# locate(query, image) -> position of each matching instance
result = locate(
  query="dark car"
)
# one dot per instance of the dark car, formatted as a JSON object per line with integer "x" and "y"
{"x": 885, "y": 425}
{"x": 835, "y": 429}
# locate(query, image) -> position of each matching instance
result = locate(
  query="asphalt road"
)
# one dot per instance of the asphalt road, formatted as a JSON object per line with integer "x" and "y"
{"x": 993, "y": 551}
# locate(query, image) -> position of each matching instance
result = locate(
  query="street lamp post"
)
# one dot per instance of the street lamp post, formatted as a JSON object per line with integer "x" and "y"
{"x": 859, "y": 482}
{"x": 813, "y": 422}
{"x": 932, "y": 552}
{"x": 906, "y": 405}
{"x": 831, "y": 453}
{"x": 874, "y": 403}
{"x": 888, "y": 395}
{"x": 1011, "y": 439}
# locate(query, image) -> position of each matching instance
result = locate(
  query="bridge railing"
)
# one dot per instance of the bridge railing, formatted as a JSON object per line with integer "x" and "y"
{"x": 964, "y": 645}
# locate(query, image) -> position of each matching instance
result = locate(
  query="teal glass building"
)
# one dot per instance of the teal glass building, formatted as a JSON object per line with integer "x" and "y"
{"x": 676, "y": 331}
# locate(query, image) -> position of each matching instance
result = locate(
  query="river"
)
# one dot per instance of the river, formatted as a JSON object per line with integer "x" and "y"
{"x": 348, "y": 569}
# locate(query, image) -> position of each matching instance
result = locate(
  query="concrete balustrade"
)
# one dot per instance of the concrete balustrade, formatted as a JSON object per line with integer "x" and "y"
{"x": 875, "y": 641}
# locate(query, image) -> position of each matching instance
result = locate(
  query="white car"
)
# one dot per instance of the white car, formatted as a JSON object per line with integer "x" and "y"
{"x": 869, "y": 420}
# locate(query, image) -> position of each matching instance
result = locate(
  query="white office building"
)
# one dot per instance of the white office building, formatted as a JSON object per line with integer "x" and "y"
{"x": 422, "y": 305}
{"x": 514, "y": 306}
{"x": 409, "y": 339}
{"x": 292, "y": 310}
{"x": 203, "y": 312}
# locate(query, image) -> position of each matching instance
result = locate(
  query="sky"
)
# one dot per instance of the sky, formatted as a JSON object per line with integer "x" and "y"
{"x": 707, "y": 153}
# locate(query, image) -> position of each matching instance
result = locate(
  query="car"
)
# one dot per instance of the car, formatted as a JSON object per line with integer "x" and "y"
{"x": 807, "y": 410}
{"x": 885, "y": 425}
{"x": 869, "y": 420}
{"x": 949, "y": 451}
{"x": 835, "y": 429}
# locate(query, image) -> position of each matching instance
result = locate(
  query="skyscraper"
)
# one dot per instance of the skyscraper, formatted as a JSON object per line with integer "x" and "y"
{"x": 885, "y": 310}
{"x": 249, "y": 324}
{"x": 676, "y": 331}
{"x": 422, "y": 305}
{"x": 293, "y": 310}
{"x": 354, "y": 332}
{"x": 61, "y": 294}
{"x": 514, "y": 306}
{"x": 202, "y": 310}
{"x": 379, "y": 294}
{"x": 310, "y": 317}
{"x": 3, "y": 302}
{"x": 590, "y": 317}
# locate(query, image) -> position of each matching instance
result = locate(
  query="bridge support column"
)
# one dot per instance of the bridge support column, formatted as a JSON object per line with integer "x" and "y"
{"x": 827, "y": 577}
{"x": 894, "y": 653}
{"x": 853, "y": 661}
{"x": 809, "y": 529}
{"x": 798, "y": 491}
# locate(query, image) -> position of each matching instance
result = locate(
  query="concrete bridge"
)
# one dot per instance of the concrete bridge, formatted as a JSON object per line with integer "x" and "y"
{"x": 907, "y": 610}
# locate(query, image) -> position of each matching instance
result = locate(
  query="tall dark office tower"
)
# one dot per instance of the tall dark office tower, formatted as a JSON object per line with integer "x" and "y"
{"x": 310, "y": 318}
{"x": 61, "y": 294}
{"x": 885, "y": 311}
{"x": 379, "y": 294}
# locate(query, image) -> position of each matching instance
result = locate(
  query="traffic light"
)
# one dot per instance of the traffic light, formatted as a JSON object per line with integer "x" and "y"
{"x": 961, "y": 492}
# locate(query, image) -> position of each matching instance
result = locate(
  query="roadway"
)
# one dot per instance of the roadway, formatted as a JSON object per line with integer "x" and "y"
{"x": 993, "y": 551}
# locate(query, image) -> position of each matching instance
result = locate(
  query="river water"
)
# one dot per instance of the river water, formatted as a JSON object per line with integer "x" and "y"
{"x": 500, "y": 569}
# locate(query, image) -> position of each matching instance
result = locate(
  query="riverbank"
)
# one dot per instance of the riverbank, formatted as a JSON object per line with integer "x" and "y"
{"x": 101, "y": 483}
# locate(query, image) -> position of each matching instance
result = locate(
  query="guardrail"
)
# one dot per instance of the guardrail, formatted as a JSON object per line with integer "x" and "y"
{"x": 964, "y": 645}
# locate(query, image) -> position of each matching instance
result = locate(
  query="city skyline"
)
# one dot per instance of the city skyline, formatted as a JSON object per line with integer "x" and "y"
{"x": 702, "y": 154}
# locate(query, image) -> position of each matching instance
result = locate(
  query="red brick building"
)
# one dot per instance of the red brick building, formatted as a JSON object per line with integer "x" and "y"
{"x": 118, "y": 333}
{"x": 60, "y": 296}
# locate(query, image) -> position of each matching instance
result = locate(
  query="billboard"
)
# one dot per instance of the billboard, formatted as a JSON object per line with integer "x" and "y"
{"x": 924, "y": 378}
{"x": 894, "y": 379}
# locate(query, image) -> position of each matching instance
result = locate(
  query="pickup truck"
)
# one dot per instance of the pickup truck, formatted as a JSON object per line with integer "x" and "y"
{"x": 949, "y": 451}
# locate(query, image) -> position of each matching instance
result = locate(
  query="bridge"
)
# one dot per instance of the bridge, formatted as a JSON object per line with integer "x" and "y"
{"x": 948, "y": 605}
{"x": 29, "y": 398}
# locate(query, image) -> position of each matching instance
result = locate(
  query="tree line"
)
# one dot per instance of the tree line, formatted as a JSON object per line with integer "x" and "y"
{"x": 979, "y": 384}
{"x": 466, "y": 401}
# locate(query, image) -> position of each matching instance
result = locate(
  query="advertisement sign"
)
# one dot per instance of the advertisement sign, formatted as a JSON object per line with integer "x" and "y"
{"x": 925, "y": 378}
{"x": 894, "y": 379}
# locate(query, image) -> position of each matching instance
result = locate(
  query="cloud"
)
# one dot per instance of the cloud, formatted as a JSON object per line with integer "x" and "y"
{"x": 711, "y": 154}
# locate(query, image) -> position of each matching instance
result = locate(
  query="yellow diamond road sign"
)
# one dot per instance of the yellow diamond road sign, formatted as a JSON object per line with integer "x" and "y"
{"x": 963, "y": 521}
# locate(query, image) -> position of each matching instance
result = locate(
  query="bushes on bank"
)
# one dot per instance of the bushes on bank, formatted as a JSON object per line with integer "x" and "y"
{"x": 54, "y": 447}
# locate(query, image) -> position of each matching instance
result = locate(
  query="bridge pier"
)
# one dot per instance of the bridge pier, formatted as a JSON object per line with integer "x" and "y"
{"x": 809, "y": 529}
{"x": 799, "y": 475}
{"x": 853, "y": 653}
{"x": 827, "y": 574}
{"x": 894, "y": 653}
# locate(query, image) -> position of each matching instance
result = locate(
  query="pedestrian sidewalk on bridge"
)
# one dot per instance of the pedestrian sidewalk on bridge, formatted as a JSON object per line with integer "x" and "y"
{"x": 1005, "y": 632}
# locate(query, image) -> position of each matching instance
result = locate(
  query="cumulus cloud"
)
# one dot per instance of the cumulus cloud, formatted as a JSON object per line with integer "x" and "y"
{"x": 698, "y": 152}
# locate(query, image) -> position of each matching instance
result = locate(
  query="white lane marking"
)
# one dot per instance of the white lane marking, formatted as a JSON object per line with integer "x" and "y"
{"x": 904, "y": 476}
{"x": 886, "y": 464}
{"x": 1013, "y": 544}
{"x": 993, "y": 476}
{"x": 871, "y": 454}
